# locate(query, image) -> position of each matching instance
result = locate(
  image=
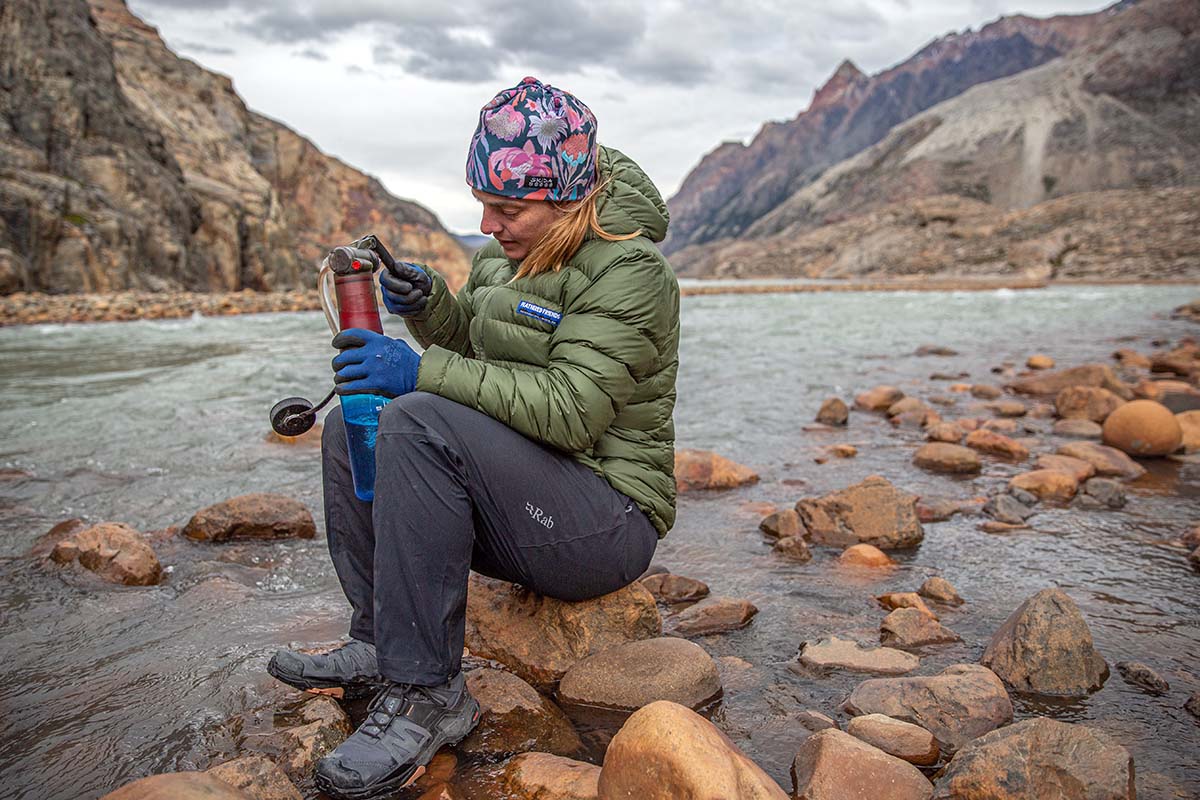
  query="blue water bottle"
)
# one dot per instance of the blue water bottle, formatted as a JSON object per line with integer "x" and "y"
{"x": 360, "y": 412}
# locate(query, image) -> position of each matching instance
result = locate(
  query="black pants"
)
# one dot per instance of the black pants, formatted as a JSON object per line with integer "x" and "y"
{"x": 456, "y": 490}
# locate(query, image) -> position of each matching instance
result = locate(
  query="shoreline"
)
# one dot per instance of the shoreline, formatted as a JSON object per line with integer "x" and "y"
{"x": 37, "y": 308}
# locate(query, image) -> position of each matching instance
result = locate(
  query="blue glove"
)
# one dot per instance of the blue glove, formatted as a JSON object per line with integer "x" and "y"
{"x": 371, "y": 363}
{"x": 406, "y": 288}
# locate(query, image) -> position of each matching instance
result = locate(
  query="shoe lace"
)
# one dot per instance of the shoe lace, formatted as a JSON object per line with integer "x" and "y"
{"x": 380, "y": 713}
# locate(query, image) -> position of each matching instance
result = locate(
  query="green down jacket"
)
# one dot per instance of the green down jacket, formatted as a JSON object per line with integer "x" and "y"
{"x": 597, "y": 382}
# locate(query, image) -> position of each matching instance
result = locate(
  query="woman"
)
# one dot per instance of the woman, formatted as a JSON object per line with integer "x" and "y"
{"x": 531, "y": 441}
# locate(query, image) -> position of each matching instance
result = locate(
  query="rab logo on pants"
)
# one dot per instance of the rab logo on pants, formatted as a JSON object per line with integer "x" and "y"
{"x": 539, "y": 516}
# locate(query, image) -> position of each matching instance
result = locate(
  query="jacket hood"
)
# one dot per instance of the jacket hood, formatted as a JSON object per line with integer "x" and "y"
{"x": 629, "y": 201}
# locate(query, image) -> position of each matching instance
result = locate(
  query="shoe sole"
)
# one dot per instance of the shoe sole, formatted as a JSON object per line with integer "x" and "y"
{"x": 350, "y": 691}
{"x": 406, "y": 778}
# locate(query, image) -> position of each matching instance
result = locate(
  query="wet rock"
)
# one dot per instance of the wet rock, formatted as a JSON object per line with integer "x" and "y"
{"x": 543, "y": 776}
{"x": 178, "y": 786}
{"x": 700, "y": 469}
{"x": 259, "y": 777}
{"x": 1046, "y": 484}
{"x": 1045, "y": 647}
{"x": 833, "y": 765}
{"x": 935, "y": 350}
{"x": 1077, "y": 468}
{"x": 1189, "y": 427}
{"x": 1039, "y": 361}
{"x": 1131, "y": 358}
{"x": 43, "y": 545}
{"x": 985, "y": 391}
{"x": 1000, "y": 425}
{"x": 1138, "y": 674}
{"x": 872, "y": 512}
{"x": 1039, "y": 758}
{"x": 956, "y": 705}
{"x": 1101, "y": 493}
{"x": 838, "y": 653}
{"x": 948, "y": 376}
{"x": 948, "y": 432}
{"x": 1007, "y": 509}
{"x": 943, "y": 400}
{"x": 252, "y": 516}
{"x": 1194, "y": 558}
{"x": 905, "y": 741}
{"x": 515, "y": 718}
{"x": 940, "y": 590}
{"x": 944, "y": 457}
{"x": 1191, "y": 538}
{"x": 878, "y": 399}
{"x": 783, "y": 523}
{"x": 1143, "y": 428}
{"x": 904, "y": 405}
{"x": 842, "y": 450}
{"x": 997, "y": 444}
{"x": 1041, "y": 411}
{"x": 815, "y": 721}
{"x": 633, "y": 675}
{"x": 439, "y": 771}
{"x": 112, "y": 550}
{"x": 864, "y": 555}
{"x": 321, "y": 727}
{"x": 1086, "y": 402}
{"x": 1087, "y": 375}
{"x": 310, "y": 438}
{"x": 939, "y": 509}
{"x": 924, "y": 417}
{"x": 911, "y": 627}
{"x": 1078, "y": 429}
{"x": 246, "y": 556}
{"x": 441, "y": 791}
{"x": 712, "y": 615}
{"x": 793, "y": 548}
{"x": 691, "y": 758}
{"x": 833, "y": 412}
{"x": 996, "y": 526}
{"x": 893, "y": 600}
{"x": 1009, "y": 408}
{"x": 1192, "y": 706}
{"x": 669, "y": 588}
{"x": 1108, "y": 461}
{"x": 540, "y": 638}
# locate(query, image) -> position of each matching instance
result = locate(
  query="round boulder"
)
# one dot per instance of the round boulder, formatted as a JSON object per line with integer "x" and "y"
{"x": 1143, "y": 428}
{"x": 945, "y": 457}
{"x": 832, "y": 765}
{"x": 833, "y": 412}
{"x": 636, "y": 674}
{"x": 906, "y": 741}
{"x": 515, "y": 718}
{"x": 864, "y": 555}
{"x": 252, "y": 516}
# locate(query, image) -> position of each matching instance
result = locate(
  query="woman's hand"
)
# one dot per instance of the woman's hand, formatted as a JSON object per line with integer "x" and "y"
{"x": 371, "y": 363}
{"x": 406, "y": 288}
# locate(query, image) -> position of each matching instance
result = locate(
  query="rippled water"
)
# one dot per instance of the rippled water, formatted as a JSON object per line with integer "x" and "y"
{"x": 146, "y": 422}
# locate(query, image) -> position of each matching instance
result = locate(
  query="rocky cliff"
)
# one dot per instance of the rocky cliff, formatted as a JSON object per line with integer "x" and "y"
{"x": 123, "y": 166}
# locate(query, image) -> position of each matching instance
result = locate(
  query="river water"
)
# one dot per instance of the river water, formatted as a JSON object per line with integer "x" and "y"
{"x": 146, "y": 422}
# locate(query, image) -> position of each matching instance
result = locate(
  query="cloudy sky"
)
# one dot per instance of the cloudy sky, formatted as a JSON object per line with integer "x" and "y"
{"x": 394, "y": 87}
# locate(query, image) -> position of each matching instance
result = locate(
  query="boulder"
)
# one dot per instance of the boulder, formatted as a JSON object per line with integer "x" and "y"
{"x": 1078, "y": 429}
{"x": 1086, "y": 375}
{"x": 872, "y": 512}
{"x": 905, "y": 405}
{"x": 1131, "y": 358}
{"x": 997, "y": 444}
{"x": 252, "y": 516}
{"x": 178, "y": 786}
{"x": 1046, "y": 484}
{"x": 319, "y": 726}
{"x": 1045, "y": 647}
{"x": 881, "y": 398}
{"x": 905, "y": 741}
{"x": 948, "y": 432}
{"x": 893, "y": 600}
{"x": 1039, "y": 361}
{"x": 669, "y": 588}
{"x": 814, "y": 721}
{"x": 1108, "y": 461}
{"x": 793, "y": 548}
{"x": 1189, "y": 428}
{"x": 701, "y": 469}
{"x": 540, "y": 638}
{"x": 515, "y": 718}
{"x": 940, "y": 590}
{"x": 944, "y": 457}
{"x": 939, "y": 509}
{"x": 1009, "y": 408}
{"x": 864, "y": 555}
{"x": 1086, "y": 402}
{"x": 1039, "y": 758}
{"x": 923, "y": 417}
{"x": 1101, "y": 493}
{"x": 956, "y": 705}
{"x": 833, "y": 412}
{"x": 833, "y": 765}
{"x": 112, "y": 550}
{"x": 838, "y": 653}
{"x": 715, "y": 614}
{"x": 258, "y": 777}
{"x": 782, "y": 523}
{"x": 543, "y": 776}
{"x": 666, "y": 751}
{"x": 911, "y": 627}
{"x": 43, "y": 545}
{"x": 1077, "y": 468}
{"x": 1007, "y": 509}
{"x": 1143, "y": 428}
{"x": 1138, "y": 674}
{"x": 633, "y": 675}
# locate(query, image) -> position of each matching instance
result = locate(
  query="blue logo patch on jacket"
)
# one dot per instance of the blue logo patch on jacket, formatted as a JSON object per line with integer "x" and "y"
{"x": 539, "y": 312}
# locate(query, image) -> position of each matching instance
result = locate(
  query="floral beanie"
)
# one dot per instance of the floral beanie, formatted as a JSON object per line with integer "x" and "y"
{"x": 534, "y": 142}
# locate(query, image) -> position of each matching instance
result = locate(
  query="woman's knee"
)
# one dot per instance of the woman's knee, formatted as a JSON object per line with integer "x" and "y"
{"x": 416, "y": 410}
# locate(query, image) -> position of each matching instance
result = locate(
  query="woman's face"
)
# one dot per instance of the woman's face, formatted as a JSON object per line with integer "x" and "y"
{"x": 516, "y": 224}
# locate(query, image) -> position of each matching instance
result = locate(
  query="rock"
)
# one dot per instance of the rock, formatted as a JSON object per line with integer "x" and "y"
{"x": 793, "y": 548}
{"x": 905, "y": 741}
{"x": 43, "y": 545}
{"x": 1087, "y": 375}
{"x": 943, "y": 457}
{"x": 1108, "y": 461}
{"x": 713, "y": 615}
{"x": 864, "y": 555}
{"x": 997, "y": 444}
{"x": 1086, "y": 402}
{"x": 1077, "y": 468}
{"x": 1039, "y": 758}
{"x": 940, "y": 590}
{"x": 935, "y": 350}
{"x": 816, "y": 721}
{"x": 1191, "y": 538}
{"x": 1009, "y": 408}
{"x": 700, "y": 469}
{"x": 633, "y": 675}
{"x": 1047, "y": 484}
{"x": 1078, "y": 429}
{"x": 441, "y": 791}
{"x": 911, "y": 627}
{"x": 112, "y": 550}
{"x": 948, "y": 432}
{"x": 1007, "y": 509}
{"x": 690, "y": 758}
{"x": 1138, "y": 674}
{"x": 995, "y": 526}
{"x": 247, "y": 556}
{"x": 258, "y": 777}
{"x": 878, "y": 399}
{"x": 1000, "y": 425}
{"x": 1194, "y": 558}
{"x": 1143, "y": 428}
{"x": 669, "y": 588}
{"x": 843, "y": 450}
{"x": 1045, "y": 647}
{"x": 905, "y": 405}
{"x": 1041, "y": 411}
{"x": 1101, "y": 493}
{"x": 939, "y": 509}
{"x": 252, "y": 516}
{"x": 321, "y": 727}
{"x": 543, "y": 776}
{"x": 1039, "y": 361}
{"x": 956, "y": 705}
{"x": 923, "y": 417}
{"x": 893, "y": 600}
{"x": 310, "y": 438}
{"x": 178, "y": 786}
{"x": 949, "y": 376}
{"x": 1189, "y": 428}
{"x": 1192, "y": 706}
{"x": 783, "y": 523}
{"x": 833, "y": 765}
{"x": 833, "y": 412}
{"x": 515, "y": 718}
{"x": 540, "y": 638}
{"x": 985, "y": 391}
{"x": 871, "y": 512}
{"x": 1131, "y": 358}
{"x": 838, "y": 653}
{"x": 943, "y": 400}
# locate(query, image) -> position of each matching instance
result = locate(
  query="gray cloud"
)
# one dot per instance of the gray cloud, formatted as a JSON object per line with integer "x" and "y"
{"x": 313, "y": 54}
{"x": 207, "y": 49}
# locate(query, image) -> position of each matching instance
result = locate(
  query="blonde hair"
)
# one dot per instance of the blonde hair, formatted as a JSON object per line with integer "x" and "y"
{"x": 566, "y": 234}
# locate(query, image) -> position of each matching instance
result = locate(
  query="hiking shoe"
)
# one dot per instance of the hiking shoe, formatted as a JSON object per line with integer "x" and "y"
{"x": 351, "y": 667}
{"x": 405, "y": 726}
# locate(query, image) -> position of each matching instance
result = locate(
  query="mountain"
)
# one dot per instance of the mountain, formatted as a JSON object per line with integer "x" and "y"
{"x": 735, "y": 185}
{"x": 123, "y": 166}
